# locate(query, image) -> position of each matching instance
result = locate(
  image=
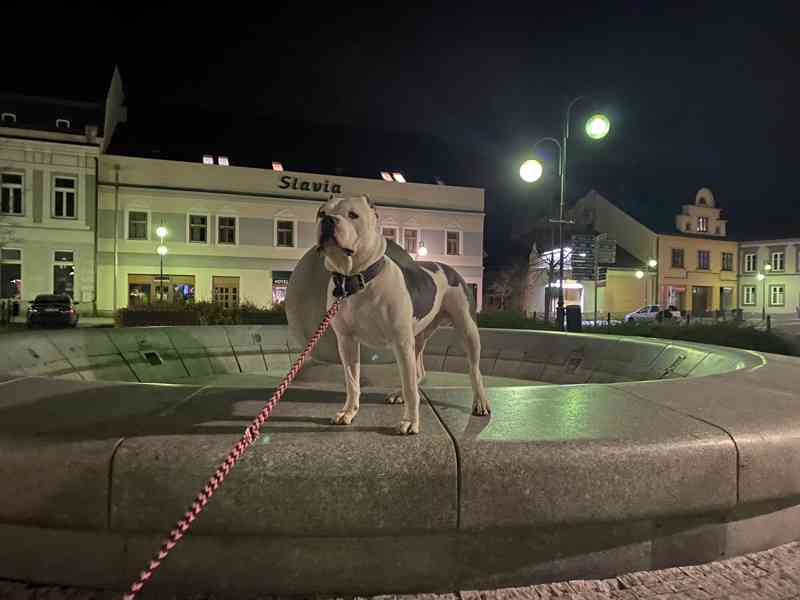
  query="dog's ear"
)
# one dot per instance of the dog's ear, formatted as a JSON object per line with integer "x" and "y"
{"x": 369, "y": 201}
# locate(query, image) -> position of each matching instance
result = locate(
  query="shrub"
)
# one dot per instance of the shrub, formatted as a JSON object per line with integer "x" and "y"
{"x": 203, "y": 313}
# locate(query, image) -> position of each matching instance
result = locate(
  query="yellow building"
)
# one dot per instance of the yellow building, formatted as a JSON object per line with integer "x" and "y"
{"x": 696, "y": 263}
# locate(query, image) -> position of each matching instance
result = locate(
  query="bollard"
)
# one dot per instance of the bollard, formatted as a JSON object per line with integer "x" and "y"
{"x": 769, "y": 322}
{"x": 534, "y": 316}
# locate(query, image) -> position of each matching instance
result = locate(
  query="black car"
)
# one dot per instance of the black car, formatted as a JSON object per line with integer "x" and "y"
{"x": 52, "y": 309}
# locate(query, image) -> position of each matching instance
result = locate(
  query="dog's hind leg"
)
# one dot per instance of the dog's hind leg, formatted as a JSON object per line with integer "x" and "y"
{"x": 349, "y": 353}
{"x": 459, "y": 311}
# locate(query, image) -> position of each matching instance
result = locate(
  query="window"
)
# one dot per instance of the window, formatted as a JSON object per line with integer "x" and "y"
{"x": 138, "y": 221}
{"x": 226, "y": 230}
{"x": 198, "y": 229}
{"x": 727, "y": 261}
{"x": 750, "y": 262}
{"x": 688, "y": 226}
{"x": 390, "y": 233}
{"x": 703, "y": 260}
{"x": 63, "y": 123}
{"x": 208, "y": 160}
{"x": 749, "y": 295}
{"x": 11, "y": 196}
{"x": 8, "y": 118}
{"x": 677, "y": 258}
{"x": 473, "y": 289}
{"x": 778, "y": 261}
{"x": 223, "y": 160}
{"x": 64, "y": 273}
{"x": 64, "y": 205}
{"x": 398, "y": 177}
{"x": 276, "y": 166}
{"x": 284, "y": 234}
{"x": 453, "y": 246}
{"x": 226, "y": 291}
{"x": 11, "y": 273}
{"x": 777, "y": 295}
{"x": 386, "y": 176}
{"x": 410, "y": 237}
{"x": 702, "y": 224}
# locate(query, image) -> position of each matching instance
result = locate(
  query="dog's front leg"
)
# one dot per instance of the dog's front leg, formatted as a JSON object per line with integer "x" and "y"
{"x": 349, "y": 353}
{"x": 406, "y": 361}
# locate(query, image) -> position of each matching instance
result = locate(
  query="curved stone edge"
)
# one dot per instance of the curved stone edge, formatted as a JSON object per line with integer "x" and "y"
{"x": 152, "y": 354}
{"x": 397, "y": 564}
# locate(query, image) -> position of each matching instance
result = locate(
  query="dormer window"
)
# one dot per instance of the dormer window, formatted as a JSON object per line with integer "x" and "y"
{"x": 223, "y": 160}
{"x": 702, "y": 224}
{"x": 386, "y": 176}
{"x": 63, "y": 124}
{"x": 8, "y": 118}
{"x": 276, "y": 166}
{"x": 398, "y": 177}
{"x": 208, "y": 159}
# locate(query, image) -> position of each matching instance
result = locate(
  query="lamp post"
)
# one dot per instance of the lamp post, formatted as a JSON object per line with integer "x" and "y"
{"x": 161, "y": 232}
{"x": 763, "y": 279}
{"x": 597, "y": 127}
{"x": 640, "y": 275}
{"x": 652, "y": 264}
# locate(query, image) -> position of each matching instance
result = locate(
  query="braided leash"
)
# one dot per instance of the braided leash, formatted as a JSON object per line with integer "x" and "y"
{"x": 250, "y": 435}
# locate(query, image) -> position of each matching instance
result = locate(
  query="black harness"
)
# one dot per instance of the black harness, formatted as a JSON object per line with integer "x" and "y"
{"x": 347, "y": 285}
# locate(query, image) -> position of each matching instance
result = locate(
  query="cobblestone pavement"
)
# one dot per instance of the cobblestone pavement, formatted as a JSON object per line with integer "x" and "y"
{"x": 770, "y": 575}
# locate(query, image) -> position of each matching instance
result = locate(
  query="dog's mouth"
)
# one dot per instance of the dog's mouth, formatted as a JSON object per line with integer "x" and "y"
{"x": 328, "y": 239}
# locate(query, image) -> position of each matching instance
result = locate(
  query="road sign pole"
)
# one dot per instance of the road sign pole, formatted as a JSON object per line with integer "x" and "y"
{"x": 596, "y": 278}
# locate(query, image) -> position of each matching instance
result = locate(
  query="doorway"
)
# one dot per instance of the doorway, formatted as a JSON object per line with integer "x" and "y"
{"x": 701, "y": 300}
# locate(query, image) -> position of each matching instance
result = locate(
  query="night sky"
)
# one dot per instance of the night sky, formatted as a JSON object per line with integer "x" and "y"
{"x": 702, "y": 96}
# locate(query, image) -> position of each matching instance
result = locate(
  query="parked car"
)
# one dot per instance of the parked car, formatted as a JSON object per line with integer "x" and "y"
{"x": 651, "y": 313}
{"x": 52, "y": 309}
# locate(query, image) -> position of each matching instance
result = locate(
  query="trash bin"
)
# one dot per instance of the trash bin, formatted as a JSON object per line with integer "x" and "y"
{"x": 573, "y": 318}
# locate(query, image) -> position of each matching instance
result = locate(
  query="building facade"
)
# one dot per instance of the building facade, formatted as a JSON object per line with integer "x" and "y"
{"x": 234, "y": 234}
{"x": 777, "y": 293}
{"x": 696, "y": 265}
{"x": 48, "y": 185}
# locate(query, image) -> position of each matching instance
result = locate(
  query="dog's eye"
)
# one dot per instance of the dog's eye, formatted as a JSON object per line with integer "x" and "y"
{"x": 352, "y": 215}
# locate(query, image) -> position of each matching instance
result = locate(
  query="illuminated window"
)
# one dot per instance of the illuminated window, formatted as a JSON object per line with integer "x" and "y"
{"x": 276, "y": 166}
{"x": 398, "y": 177}
{"x": 208, "y": 160}
{"x": 702, "y": 224}
{"x": 386, "y": 176}
{"x": 223, "y": 160}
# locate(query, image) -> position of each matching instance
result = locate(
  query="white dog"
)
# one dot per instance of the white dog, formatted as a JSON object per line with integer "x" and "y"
{"x": 390, "y": 305}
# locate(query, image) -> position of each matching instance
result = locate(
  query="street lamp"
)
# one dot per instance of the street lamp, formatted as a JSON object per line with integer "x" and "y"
{"x": 763, "y": 279}
{"x": 161, "y": 232}
{"x": 596, "y": 128}
{"x": 652, "y": 264}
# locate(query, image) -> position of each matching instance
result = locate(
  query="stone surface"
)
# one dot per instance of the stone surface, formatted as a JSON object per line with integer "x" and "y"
{"x": 303, "y": 477}
{"x": 768, "y": 575}
{"x": 582, "y": 453}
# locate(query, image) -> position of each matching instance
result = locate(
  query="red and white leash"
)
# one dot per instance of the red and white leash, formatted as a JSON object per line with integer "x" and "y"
{"x": 250, "y": 436}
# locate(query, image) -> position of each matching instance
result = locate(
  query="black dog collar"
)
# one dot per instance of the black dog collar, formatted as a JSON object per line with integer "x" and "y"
{"x": 347, "y": 285}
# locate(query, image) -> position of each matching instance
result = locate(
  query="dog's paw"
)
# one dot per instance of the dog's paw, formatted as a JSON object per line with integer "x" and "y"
{"x": 395, "y": 398}
{"x": 343, "y": 417}
{"x": 408, "y": 428}
{"x": 481, "y": 409}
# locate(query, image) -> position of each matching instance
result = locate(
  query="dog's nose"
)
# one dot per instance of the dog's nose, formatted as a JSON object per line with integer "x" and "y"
{"x": 328, "y": 224}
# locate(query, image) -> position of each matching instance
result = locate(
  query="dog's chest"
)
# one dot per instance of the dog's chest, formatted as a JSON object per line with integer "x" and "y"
{"x": 366, "y": 321}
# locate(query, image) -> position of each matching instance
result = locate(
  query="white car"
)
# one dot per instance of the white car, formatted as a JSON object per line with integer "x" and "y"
{"x": 650, "y": 312}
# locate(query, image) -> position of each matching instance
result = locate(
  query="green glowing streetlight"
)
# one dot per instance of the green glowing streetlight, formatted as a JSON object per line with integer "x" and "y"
{"x": 598, "y": 126}
{"x": 531, "y": 170}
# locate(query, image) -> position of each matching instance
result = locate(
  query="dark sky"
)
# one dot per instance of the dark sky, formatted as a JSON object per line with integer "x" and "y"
{"x": 698, "y": 96}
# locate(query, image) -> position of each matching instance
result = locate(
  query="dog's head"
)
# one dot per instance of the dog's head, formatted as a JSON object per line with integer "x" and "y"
{"x": 348, "y": 233}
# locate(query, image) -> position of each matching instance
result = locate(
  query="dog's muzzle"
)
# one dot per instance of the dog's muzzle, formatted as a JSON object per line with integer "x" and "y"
{"x": 328, "y": 233}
